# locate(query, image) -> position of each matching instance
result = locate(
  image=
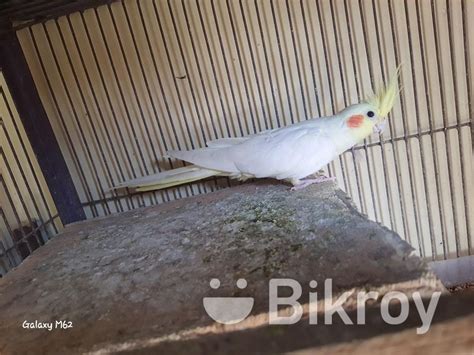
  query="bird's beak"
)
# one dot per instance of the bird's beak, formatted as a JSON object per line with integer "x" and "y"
{"x": 380, "y": 127}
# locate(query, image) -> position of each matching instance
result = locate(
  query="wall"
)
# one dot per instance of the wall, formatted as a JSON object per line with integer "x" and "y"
{"x": 124, "y": 83}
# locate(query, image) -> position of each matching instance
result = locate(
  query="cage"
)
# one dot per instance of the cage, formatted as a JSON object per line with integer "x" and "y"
{"x": 121, "y": 84}
{"x": 94, "y": 93}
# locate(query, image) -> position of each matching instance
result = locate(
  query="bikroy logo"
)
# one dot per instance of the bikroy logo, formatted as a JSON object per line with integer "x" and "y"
{"x": 228, "y": 310}
{"x": 232, "y": 310}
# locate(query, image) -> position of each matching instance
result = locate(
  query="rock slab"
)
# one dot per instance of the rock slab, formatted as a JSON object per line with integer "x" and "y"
{"x": 133, "y": 280}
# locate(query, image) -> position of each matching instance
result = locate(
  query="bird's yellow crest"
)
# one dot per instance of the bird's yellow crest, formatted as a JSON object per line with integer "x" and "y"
{"x": 384, "y": 99}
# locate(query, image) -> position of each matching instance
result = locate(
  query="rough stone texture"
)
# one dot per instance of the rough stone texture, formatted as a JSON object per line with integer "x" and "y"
{"x": 135, "y": 281}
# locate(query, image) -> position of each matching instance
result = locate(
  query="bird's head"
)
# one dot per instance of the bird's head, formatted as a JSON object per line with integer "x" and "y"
{"x": 370, "y": 116}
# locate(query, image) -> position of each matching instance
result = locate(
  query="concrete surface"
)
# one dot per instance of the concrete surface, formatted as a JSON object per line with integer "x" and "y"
{"x": 134, "y": 282}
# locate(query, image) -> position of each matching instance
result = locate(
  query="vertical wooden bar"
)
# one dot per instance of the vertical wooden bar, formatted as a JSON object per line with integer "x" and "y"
{"x": 38, "y": 129}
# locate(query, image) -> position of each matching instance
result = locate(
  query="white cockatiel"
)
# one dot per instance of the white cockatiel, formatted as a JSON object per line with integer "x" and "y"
{"x": 290, "y": 153}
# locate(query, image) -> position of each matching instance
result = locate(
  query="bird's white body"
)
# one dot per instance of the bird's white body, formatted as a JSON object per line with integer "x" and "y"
{"x": 289, "y": 153}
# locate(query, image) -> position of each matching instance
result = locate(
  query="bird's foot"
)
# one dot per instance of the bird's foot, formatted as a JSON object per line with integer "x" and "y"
{"x": 305, "y": 183}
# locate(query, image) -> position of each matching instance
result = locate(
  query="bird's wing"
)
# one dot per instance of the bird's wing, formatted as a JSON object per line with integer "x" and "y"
{"x": 274, "y": 153}
{"x": 227, "y": 142}
{"x": 289, "y": 153}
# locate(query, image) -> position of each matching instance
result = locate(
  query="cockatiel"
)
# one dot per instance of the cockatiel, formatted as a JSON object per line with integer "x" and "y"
{"x": 290, "y": 153}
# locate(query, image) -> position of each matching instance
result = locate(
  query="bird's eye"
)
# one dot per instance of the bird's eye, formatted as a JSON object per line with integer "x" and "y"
{"x": 370, "y": 114}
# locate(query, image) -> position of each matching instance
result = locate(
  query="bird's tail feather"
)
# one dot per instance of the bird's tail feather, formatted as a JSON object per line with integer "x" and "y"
{"x": 169, "y": 178}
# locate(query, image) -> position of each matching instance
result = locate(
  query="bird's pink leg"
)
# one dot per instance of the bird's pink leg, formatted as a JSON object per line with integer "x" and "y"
{"x": 301, "y": 184}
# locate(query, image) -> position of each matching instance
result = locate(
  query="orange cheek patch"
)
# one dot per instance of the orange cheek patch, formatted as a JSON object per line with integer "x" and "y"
{"x": 355, "y": 121}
